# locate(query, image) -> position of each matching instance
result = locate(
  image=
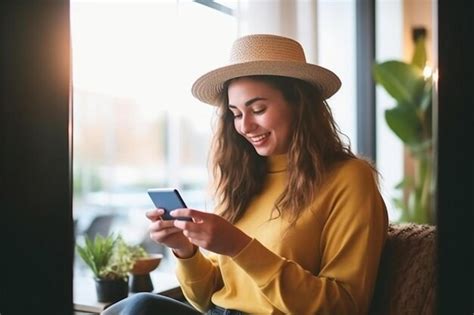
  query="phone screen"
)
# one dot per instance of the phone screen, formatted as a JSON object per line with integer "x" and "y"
{"x": 168, "y": 199}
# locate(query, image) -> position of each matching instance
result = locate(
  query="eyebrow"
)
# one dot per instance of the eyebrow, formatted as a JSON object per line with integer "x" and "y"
{"x": 250, "y": 101}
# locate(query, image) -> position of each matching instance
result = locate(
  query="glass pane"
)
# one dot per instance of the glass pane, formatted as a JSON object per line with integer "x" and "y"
{"x": 337, "y": 51}
{"x": 396, "y": 20}
{"x": 136, "y": 125}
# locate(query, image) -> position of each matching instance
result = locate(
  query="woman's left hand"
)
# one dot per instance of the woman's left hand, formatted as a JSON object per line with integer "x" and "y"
{"x": 211, "y": 232}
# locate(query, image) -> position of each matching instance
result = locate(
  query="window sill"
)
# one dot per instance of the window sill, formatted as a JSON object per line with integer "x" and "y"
{"x": 85, "y": 299}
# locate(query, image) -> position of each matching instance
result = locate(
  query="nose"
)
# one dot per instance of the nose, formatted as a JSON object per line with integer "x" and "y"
{"x": 247, "y": 124}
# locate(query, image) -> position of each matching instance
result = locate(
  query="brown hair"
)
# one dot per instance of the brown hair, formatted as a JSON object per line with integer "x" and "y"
{"x": 239, "y": 172}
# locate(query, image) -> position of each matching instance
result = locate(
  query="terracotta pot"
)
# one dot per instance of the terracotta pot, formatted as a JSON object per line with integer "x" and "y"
{"x": 140, "y": 273}
{"x": 145, "y": 265}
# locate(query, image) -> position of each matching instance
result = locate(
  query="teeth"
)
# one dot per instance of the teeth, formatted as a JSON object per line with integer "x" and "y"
{"x": 259, "y": 138}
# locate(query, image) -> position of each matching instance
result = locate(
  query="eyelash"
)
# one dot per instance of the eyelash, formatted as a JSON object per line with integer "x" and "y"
{"x": 257, "y": 112}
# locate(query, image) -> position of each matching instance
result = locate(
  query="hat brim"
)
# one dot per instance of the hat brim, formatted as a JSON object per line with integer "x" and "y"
{"x": 208, "y": 87}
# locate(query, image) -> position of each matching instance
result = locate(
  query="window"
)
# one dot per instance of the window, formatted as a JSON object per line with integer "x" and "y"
{"x": 337, "y": 51}
{"x": 136, "y": 124}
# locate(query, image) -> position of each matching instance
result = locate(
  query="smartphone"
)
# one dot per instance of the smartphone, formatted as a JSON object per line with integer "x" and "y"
{"x": 168, "y": 199}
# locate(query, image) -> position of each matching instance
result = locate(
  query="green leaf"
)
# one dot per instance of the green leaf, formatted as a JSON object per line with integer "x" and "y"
{"x": 404, "y": 123}
{"x": 399, "y": 203}
{"x": 403, "y": 81}
{"x": 421, "y": 149}
{"x": 110, "y": 257}
{"x": 400, "y": 185}
{"x": 406, "y": 181}
{"x": 97, "y": 253}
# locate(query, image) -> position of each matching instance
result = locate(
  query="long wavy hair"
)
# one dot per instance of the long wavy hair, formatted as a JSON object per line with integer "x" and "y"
{"x": 239, "y": 172}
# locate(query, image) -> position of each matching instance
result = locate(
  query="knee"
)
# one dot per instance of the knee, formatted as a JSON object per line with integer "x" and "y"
{"x": 139, "y": 303}
{"x": 141, "y": 298}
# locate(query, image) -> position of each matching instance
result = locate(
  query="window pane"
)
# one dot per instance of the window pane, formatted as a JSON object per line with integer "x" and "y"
{"x": 136, "y": 125}
{"x": 389, "y": 148}
{"x": 337, "y": 51}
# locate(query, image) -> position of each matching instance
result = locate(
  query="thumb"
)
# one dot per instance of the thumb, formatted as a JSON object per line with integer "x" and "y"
{"x": 196, "y": 215}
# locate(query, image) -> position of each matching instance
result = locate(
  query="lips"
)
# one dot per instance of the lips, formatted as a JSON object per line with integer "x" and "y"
{"x": 256, "y": 140}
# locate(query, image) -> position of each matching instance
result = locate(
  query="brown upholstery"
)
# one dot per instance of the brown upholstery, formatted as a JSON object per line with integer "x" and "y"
{"x": 406, "y": 282}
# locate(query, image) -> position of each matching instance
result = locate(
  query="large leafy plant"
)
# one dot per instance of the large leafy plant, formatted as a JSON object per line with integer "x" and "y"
{"x": 410, "y": 119}
{"x": 110, "y": 257}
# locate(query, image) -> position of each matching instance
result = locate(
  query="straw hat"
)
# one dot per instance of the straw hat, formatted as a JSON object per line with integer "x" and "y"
{"x": 263, "y": 54}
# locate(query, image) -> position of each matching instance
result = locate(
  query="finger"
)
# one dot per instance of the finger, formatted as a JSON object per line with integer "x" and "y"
{"x": 195, "y": 232}
{"x": 161, "y": 235}
{"x": 161, "y": 225}
{"x": 196, "y": 215}
{"x": 199, "y": 243}
{"x": 189, "y": 226}
{"x": 193, "y": 236}
{"x": 154, "y": 214}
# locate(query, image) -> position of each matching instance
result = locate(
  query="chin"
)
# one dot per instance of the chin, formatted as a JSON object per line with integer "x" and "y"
{"x": 264, "y": 152}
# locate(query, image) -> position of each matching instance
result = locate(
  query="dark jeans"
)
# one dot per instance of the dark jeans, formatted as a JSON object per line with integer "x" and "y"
{"x": 154, "y": 304}
{"x": 149, "y": 304}
{"x": 216, "y": 310}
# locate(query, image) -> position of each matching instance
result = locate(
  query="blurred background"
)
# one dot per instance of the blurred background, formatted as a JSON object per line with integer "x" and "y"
{"x": 136, "y": 125}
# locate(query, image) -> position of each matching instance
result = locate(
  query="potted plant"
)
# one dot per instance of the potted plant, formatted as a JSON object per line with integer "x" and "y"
{"x": 141, "y": 264}
{"x": 110, "y": 259}
{"x": 411, "y": 86}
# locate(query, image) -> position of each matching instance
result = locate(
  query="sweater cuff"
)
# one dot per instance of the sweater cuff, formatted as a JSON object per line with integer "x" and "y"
{"x": 260, "y": 263}
{"x": 194, "y": 268}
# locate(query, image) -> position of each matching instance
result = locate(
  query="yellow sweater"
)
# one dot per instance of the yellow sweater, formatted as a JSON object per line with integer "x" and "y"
{"x": 326, "y": 264}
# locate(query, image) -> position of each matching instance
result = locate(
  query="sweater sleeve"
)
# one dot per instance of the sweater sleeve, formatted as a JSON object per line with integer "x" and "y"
{"x": 199, "y": 277}
{"x": 351, "y": 244}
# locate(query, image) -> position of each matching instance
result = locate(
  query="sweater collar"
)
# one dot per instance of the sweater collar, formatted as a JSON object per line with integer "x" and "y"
{"x": 277, "y": 163}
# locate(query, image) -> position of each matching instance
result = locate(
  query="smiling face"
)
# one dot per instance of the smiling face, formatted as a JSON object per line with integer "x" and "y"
{"x": 261, "y": 115}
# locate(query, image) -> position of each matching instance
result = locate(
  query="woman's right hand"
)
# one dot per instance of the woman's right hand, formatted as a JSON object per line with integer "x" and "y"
{"x": 164, "y": 232}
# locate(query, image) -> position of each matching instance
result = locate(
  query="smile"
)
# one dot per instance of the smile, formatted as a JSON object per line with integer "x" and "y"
{"x": 259, "y": 139}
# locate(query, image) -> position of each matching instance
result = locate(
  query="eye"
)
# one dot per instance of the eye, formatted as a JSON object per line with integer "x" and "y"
{"x": 259, "y": 111}
{"x": 236, "y": 114}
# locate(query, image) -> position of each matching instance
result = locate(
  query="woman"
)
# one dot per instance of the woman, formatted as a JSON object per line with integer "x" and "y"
{"x": 300, "y": 224}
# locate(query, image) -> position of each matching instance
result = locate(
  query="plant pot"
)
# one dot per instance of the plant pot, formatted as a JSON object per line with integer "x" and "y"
{"x": 111, "y": 290}
{"x": 140, "y": 273}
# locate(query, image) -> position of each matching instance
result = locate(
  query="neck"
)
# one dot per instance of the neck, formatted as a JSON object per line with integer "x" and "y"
{"x": 277, "y": 163}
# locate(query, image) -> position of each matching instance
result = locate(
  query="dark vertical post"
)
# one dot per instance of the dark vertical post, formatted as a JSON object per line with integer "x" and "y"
{"x": 365, "y": 56}
{"x": 455, "y": 171}
{"x": 35, "y": 162}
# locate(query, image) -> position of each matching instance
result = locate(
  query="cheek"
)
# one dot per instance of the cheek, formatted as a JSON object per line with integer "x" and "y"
{"x": 286, "y": 129}
{"x": 285, "y": 133}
